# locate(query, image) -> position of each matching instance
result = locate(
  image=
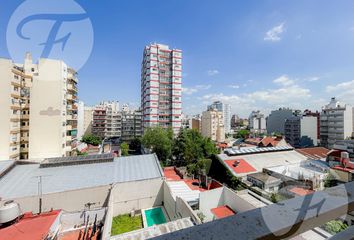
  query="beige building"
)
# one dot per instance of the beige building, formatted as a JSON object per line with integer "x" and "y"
{"x": 213, "y": 125}
{"x": 38, "y": 111}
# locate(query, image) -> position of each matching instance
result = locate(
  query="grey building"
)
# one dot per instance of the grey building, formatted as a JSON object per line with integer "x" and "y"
{"x": 336, "y": 123}
{"x": 264, "y": 181}
{"x": 301, "y": 131}
{"x": 276, "y": 119}
{"x": 131, "y": 125}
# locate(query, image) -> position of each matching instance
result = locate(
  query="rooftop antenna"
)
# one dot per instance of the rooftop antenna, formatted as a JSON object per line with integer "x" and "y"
{"x": 40, "y": 192}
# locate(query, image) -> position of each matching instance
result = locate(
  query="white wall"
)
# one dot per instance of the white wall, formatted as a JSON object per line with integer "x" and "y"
{"x": 210, "y": 199}
{"x": 68, "y": 201}
{"x": 232, "y": 200}
{"x": 137, "y": 195}
{"x": 5, "y": 100}
{"x": 169, "y": 203}
{"x": 48, "y": 112}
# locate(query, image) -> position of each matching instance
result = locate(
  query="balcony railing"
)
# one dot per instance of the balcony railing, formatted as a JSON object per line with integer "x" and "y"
{"x": 282, "y": 220}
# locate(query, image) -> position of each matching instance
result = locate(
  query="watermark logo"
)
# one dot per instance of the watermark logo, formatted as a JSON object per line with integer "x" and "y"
{"x": 56, "y": 29}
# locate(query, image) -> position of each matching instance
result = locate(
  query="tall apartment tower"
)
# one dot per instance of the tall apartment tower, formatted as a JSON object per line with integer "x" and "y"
{"x": 276, "y": 119}
{"x": 38, "y": 109}
{"x": 257, "y": 122}
{"x": 213, "y": 125}
{"x": 336, "y": 123}
{"x": 161, "y": 87}
{"x": 226, "y": 110}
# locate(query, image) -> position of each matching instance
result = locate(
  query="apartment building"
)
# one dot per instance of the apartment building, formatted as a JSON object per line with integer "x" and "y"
{"x": 226, "y": 110}
{"x": 257, "y": 122}
{"x": 161, "y": 79}
{"x": 107, "y": 120}
{"x": 131, "y": 124}
{"x": 336, "y": 123}
{"x": 191, "y": 122}
{"x": 301, "y": 131}
{"x": 213, "y": 125}
{"x": 276, "y": 119}
{"x": 38, "y": 111}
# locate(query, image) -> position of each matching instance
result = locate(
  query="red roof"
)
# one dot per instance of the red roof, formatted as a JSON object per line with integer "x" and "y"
{"x": 301, "y": 191}
{"x": 242, "y": 167}
{"x": 222, "y": 211}
{"x": 270, "y": 141}
{"x": 30, "y": 227}
{"x": 314, "y": 152}
{"x": 171, "y": 174}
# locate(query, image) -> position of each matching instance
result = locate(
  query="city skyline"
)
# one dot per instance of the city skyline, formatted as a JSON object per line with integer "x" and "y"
{"x": 257, "y": 56}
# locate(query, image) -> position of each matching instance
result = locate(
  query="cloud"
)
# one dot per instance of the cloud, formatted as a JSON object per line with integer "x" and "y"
{"x": 344, "y": 86}
{"x": 313, "y": 79}
{"x": 212, "y": 72}
{"x": 191, "y": 90}
{"x": 284, "y": 80}
{"x": 274, "y": 34}
{"x": 287, "y": 94}
{"x": 234, "y": 86}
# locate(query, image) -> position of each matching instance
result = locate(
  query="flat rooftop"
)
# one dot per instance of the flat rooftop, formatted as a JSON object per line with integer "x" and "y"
{"x": 260, "y": 160}
{"x": 222, "y": 211}
{"x": 23, "y": 179}
{"x": 30, "y": 226}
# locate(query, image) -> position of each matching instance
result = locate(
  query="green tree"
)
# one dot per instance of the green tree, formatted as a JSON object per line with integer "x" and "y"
{"x": 244, "y": 133}
{"x": 91, "y": 139}
{"x": 335, "y": 226}
{"x": 190, "y": 146}
{"x": 159, "y": 141}
{"x": 135, "y": 144}
{"x": 124, "y": 147}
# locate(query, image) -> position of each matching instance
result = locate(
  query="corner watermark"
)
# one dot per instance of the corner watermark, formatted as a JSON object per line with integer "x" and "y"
{"x": 56, "y": 29}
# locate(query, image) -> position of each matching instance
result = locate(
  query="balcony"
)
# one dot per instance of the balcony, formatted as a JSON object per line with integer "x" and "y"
{"x": 72, "y": 87}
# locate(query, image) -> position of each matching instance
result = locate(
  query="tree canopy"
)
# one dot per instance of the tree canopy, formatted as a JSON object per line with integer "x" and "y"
{"x": 190, "y": 146}
{"x": 187, "y": 148}
{"x": 243, "y": 133}
{"x": 160, "y": 141}
{"x": 124, "y": 147}
{"x": 91, "y": 139}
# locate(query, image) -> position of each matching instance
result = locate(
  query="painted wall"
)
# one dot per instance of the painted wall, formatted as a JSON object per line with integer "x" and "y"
{"x": 137, "y": 195}
{"x": 68, "y": 201}
{"x": 210, "y": 199}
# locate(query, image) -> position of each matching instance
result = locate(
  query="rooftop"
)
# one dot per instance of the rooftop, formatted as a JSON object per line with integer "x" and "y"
{"x": 30, "y": 226}
{"x": 314, "y": 152}
{"x": 258, "y": 161}
{"x": 22, "y": 180}
{"x": 222, "y": 211}
{"x": 264, "y": 177}
{"x": 301, "y": 191}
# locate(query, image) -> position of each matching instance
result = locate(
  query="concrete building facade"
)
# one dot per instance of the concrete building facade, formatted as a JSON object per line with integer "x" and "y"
{"x": 226, "y": 110}
{"x": 276, "y": 119}
{"x": 301, "y": 131}
{"x": 161, "y": 87}
{"x": 131, "y": 125}
{"x": 39, "y": 112}
{"x": 336, "y": 123}
{"x": 213, "y": 125}
{"x": 257, "y": 122}
{"x": 107, "y": 120}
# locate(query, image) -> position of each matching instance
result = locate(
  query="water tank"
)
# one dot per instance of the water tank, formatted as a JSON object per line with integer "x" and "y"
{"x": 9, "y": 212}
